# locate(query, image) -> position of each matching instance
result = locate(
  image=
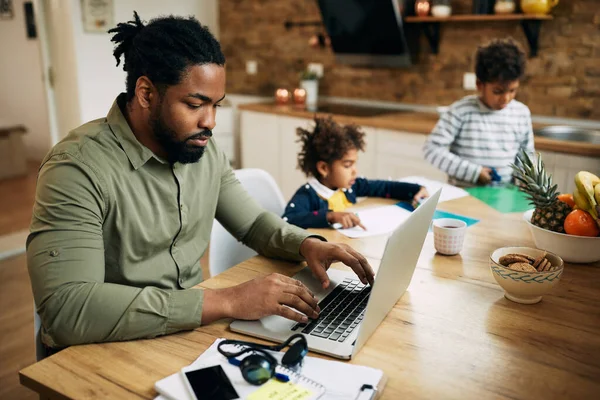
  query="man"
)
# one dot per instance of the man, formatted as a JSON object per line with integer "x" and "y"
{"x": 125, "y": 205}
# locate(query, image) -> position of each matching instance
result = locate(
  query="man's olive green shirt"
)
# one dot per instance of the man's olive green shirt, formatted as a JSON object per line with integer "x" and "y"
{"x": 117, "y": 234}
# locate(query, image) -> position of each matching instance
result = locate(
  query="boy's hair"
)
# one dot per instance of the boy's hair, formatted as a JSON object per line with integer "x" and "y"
{"x": 328, "y": 142}
{"x": 163, "y": 49}
{"x": 500, "y": 60}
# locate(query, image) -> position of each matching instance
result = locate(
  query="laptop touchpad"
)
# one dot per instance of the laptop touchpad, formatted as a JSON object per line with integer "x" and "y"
{"x": 275, "y": 323}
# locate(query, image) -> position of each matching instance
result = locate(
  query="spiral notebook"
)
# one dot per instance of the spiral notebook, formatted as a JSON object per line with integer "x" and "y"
{"x": 318, "y": 379}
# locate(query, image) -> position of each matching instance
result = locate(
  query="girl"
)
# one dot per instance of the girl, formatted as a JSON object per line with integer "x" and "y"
{"x": 328, "y": 158}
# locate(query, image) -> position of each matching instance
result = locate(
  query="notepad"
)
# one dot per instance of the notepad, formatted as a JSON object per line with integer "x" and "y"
{"x": 324, "y": 379}
{"x": 276, "y": 390}
{"x": 378, "y": 221}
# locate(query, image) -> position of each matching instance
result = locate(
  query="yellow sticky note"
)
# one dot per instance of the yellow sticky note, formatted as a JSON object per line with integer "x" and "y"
{"x": 277, "y": 390}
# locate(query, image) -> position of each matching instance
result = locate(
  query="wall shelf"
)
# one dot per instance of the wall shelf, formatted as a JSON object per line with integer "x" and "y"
{"x": 531, "y": 24}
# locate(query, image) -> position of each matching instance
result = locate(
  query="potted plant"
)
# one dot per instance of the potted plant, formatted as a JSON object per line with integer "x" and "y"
{"x": 309, "y": 81}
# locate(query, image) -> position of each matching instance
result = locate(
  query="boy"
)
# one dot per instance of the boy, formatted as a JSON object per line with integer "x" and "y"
{"x": 328, "y": 158}
{"x": 478, "y": 138}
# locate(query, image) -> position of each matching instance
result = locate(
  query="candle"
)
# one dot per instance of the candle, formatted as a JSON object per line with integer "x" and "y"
{"x": 299, "y": 96}
{"x": 422, "y": 8}
{"x": 282, "y": 96}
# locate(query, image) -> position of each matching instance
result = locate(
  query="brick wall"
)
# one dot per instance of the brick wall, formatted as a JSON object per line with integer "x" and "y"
{"x": 564, "y": 80}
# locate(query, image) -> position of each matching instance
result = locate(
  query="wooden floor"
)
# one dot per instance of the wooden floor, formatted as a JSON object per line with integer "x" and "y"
{"x": 17, "y": 348}
{"x": 16, "y": 301}
{"x": 16, "y": 201}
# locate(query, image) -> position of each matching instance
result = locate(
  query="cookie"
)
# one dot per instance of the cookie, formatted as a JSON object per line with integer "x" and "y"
{"x": 529, "y": 258}
{"x": 545, "y": 265}
{"x": 541, "y": 265}
{"x": 539, "y": 259}
{"x": 522, "y": 267}
{"x": 513, "y": 258}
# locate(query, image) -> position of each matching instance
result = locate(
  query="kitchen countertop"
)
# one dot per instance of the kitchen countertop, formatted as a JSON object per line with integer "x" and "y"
{"x": 408, "y": 121}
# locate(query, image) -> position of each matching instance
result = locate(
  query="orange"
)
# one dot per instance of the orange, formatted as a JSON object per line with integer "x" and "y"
{"x": 567, "y": 198}
{"x": 581, "y": 223}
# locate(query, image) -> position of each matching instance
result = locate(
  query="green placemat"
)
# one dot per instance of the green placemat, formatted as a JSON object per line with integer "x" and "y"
{"x": 506, "y": 199}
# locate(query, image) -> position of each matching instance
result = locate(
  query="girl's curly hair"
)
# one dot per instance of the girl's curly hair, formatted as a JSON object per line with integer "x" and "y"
{"x": 328, "y": 141}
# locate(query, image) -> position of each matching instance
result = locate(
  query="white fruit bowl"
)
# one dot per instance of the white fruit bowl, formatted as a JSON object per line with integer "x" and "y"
{"x": 571, "y": 248}
{"x": 525, "y": 287}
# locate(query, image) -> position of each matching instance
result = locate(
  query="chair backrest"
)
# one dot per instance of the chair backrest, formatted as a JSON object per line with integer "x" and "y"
{"x": 40, "y": 350}
{"x": 225, "y": 250}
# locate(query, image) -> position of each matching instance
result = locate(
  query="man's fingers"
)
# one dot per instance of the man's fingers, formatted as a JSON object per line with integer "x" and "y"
{"x": 369, "y": 274}
{"x": 319, "y": 272}
{"x": 303, "y": 293}
{"x": 288, "y": 313}
{"x": 350, "y": 260}
{"x": 299, "y": 304}
{"x": 296, "y": 282}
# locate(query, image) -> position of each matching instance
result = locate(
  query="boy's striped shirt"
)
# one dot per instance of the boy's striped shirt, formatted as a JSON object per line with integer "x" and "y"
{"x": 470, "y": 136}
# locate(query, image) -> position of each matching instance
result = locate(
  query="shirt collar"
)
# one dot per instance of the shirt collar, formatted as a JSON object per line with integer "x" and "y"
{"x": 321, "y": 189}
{"x": 485, "y": 109}
{"x": 137, "y": 153}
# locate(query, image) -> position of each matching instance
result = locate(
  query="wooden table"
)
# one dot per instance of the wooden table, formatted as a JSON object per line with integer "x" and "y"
{"x": 452, "y": 335}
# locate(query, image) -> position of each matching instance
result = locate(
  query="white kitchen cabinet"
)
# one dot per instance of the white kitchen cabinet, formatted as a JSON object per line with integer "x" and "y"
{"x": 563, "y": 168}
{"x": 291, "y": 177}
{"x": 367, "y": 160}
{"x": 223, "y": 132}
{"x": 400, "y": 154}
{"x": 259, "y": 143}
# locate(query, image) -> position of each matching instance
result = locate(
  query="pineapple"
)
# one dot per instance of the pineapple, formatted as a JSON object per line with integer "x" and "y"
{"x": 549, "y": 213}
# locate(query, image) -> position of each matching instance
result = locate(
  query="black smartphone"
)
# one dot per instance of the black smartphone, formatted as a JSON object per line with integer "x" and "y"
{"x": 209, "y": 383}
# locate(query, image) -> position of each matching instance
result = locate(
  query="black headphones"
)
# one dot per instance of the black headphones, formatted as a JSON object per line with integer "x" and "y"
{"x": 259, "y": 366}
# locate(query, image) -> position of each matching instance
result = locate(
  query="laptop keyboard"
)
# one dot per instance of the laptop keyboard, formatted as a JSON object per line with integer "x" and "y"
{"x": 341, "y": 312}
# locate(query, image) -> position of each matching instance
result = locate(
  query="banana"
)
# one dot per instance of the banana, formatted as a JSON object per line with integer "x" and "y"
{"x": 581, "y": 202}
{"x": 585, "y": 182}
{"x": 594, "y": 179}
{"x": 597, "y": 193}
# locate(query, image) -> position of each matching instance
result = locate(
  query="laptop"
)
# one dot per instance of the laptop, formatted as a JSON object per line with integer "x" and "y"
{"x": 351, "y": 311}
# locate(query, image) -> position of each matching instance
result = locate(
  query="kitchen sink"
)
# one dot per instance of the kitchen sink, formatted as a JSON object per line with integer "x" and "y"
{"x": 570, "y": 133}
{"x": 353, "y": 110}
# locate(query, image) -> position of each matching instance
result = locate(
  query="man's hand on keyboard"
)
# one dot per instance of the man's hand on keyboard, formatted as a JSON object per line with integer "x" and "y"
{"x": 274, "y": 294}
{"x": 320, "y": 255}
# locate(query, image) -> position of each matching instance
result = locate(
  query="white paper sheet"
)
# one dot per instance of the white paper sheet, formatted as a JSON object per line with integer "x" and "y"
{"x": 378, "y": 221}
{"x": 449, "y": 192}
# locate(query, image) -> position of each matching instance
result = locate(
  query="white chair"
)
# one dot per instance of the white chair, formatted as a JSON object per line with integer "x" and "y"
{"x": 40, "y": 350}
{"x": 225, "y": 250}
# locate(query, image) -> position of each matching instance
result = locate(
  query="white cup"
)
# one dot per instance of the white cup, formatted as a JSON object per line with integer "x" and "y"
{"x": 449, "y": 235}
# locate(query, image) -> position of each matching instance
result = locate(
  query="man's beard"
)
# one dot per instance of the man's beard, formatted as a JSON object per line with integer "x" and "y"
{"x": 178, "y": 151}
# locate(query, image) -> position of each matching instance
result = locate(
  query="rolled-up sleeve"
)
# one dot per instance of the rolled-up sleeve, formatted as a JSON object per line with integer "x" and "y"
{"x": 65, "y": 257}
